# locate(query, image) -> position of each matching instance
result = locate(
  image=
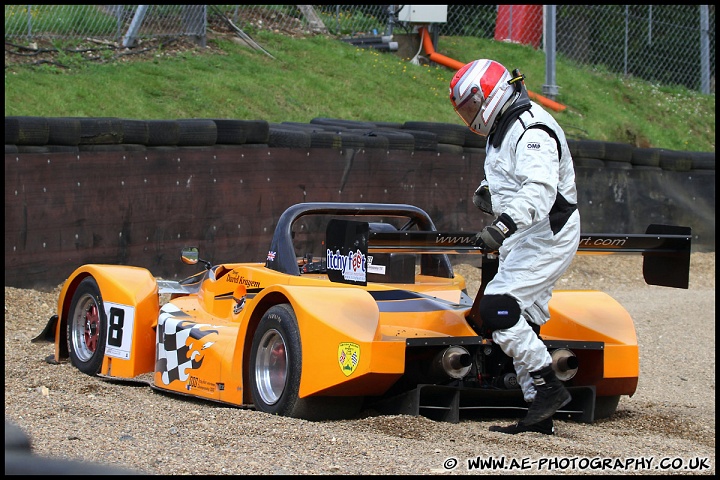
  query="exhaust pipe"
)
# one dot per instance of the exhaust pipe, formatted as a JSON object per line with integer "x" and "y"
{"x": 565, "y": 364}
{"x": 454, "y": 362}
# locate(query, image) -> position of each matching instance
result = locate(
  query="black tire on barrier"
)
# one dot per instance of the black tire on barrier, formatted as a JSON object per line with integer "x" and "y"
{"x": 12, "y": 130}
{"x": 445, "y": 132}
{"x": 450, "y": 148}
{"x": 372, "y": 140}
{"x": 646, "y": 157}
{"x": 28, "y": 131}
{"x": 33, "y": 149}
{"x": 475, "y": 151}
{"x": 573, "y": 146}
{"x": 348, "y": 139}
{"x": 591, "y": 149}
{"x": 64, "y": 131}
{"x": 135, "y": 131}
{"x": 388, "y": 124}
{"x": 100, "y": 130}
{"x": 618, "y": 152}
{"x": 48, "y": 149}
{"x": 703, "y": 160}
{"x": 397, "y": 140}
{"x": 257, "y": 131}
{"x": 425, "y": 140}
{"x": 324, "y": 139}
{"x": 588, "y": 162}
{"x": 618, "y": 165}
{"x": 473, "y": 140}
{"x": 676, "y": 160}
{"x": 288, "y": 137}
{"x": 196, "y": 132}
{"x": 342, "y": 123}
{"x": 162, "y": 133}
{"x": 230, "y": 131}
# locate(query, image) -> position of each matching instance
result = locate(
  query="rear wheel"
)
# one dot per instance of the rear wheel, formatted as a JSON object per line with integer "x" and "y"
{"x": 276, "y": 369}
{"x": 606, "y": 406}
{"x": 87, "y": 328}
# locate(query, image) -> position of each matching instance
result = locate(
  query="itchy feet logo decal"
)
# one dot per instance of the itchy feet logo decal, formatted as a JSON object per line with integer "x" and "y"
{"x": 348, "y": 357}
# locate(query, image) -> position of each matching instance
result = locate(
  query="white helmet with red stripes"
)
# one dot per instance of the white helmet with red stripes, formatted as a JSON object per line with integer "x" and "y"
{"x": 479, "y": 91}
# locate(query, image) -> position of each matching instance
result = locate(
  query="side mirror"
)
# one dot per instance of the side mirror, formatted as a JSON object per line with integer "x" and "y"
{"x": 190, "y": 255}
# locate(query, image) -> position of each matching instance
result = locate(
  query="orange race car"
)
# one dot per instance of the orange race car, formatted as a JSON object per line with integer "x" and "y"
{"x": 356, "y": 306}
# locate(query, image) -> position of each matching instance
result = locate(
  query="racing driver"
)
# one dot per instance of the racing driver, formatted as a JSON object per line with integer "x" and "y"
{"x": 529, "y": 189}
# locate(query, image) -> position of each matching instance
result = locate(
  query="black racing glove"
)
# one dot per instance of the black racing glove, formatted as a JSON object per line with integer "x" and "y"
{"x": 494, "y": 235}
{"x": 481, "y": 199}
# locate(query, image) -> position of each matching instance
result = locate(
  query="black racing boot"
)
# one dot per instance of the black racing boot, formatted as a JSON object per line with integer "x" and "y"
{"x": 545, "y": 427}
{"x": 550, "y": 396}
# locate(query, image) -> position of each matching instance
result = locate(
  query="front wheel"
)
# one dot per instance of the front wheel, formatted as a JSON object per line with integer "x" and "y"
{"x": 87, "y": 328}
{"x": 276, "y": 369}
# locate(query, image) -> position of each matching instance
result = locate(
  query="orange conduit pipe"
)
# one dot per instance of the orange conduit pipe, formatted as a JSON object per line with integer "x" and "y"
{"x": 455, "y": 65}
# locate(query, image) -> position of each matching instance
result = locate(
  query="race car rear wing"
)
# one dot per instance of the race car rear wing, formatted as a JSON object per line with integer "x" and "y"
{"x": 665, "y": 248}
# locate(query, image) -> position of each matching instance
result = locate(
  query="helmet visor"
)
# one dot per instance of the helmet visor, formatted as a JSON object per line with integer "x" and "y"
{"x": 470, "y": 109}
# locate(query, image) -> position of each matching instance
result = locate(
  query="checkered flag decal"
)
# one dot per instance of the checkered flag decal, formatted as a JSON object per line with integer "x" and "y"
{"x": 179, "y": 342}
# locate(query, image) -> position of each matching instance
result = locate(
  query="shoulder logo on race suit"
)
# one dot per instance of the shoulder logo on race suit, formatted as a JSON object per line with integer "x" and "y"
{"x": 348, "y": 357}
{"x": 533, "y": 146}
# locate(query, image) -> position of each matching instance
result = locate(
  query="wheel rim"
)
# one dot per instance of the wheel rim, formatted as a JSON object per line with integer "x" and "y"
{"x": 271, "y": 367}
{"x": 86, "y": 328}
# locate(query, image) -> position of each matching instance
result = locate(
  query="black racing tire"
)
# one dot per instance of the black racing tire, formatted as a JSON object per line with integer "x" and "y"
{"x": 87, "y": 328}
{"x": 276, "y": 370}
{"x": 606, "y": 406}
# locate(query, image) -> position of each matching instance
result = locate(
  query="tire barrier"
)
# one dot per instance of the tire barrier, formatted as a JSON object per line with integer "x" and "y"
{"x": 221, "y": 184}
{"x": 53, "y": 134}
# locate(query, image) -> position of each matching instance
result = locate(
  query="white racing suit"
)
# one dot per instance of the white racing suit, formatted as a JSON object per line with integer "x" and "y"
{"x": 528, "y": 181}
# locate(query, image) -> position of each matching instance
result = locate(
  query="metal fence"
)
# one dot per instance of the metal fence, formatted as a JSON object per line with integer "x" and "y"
{"x": 664, "y": 44}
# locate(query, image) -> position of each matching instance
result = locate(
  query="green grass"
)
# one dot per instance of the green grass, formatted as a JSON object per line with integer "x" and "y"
{"x": 324, "y": 77}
